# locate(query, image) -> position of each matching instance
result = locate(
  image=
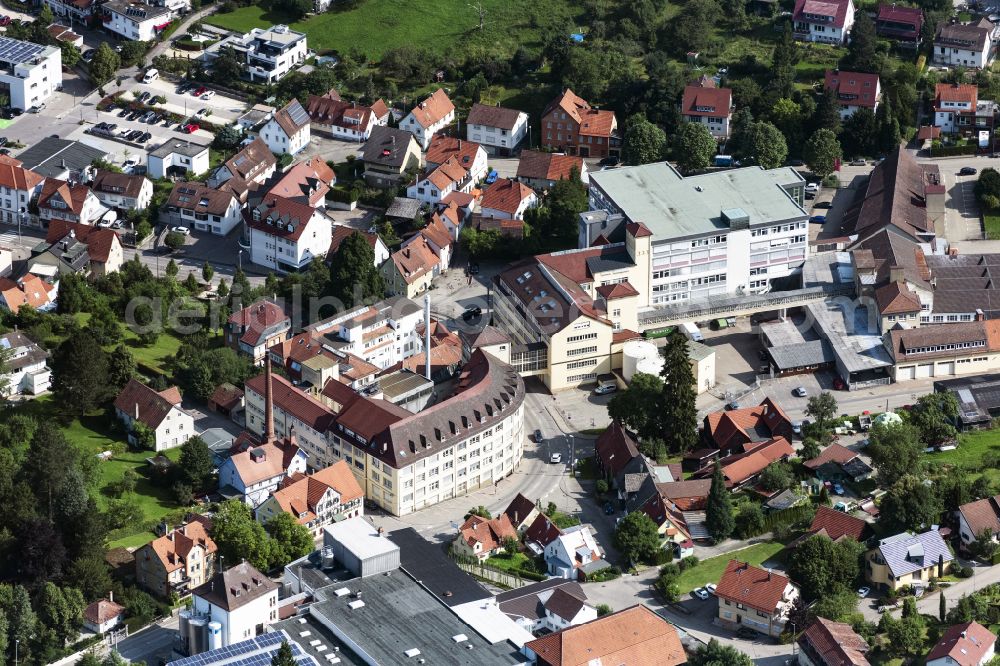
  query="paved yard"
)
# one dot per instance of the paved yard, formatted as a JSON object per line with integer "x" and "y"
{"x": 961, "y": 208}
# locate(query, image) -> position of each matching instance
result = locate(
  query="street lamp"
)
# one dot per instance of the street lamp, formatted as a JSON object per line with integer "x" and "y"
{"x": 17, "y": 642}
{"x": 572, "y": 456}
{"x": 20, "y": 221}
{"x": 239, "y": 258}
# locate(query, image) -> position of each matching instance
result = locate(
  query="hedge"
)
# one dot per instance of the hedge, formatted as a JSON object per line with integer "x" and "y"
{"x": 949, "y": 151}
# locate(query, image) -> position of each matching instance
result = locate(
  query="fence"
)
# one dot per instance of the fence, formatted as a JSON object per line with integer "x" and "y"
{"x": 504, "y": 578}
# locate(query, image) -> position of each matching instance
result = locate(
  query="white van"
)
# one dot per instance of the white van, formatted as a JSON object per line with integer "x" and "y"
{"x": 691, "y": 332}
{"x": 151, "y": 75}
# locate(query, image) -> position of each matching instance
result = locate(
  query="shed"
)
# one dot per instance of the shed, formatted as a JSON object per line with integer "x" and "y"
{"x": 361, "y": 548}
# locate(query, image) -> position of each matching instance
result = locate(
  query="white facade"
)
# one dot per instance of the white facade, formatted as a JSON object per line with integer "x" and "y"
{"x": 423, "y": 134}
{"x": 815, "y": 28}
{"x": 219, "y": 225}
{"x": 121, "y": 201}
{"x": 279, "y": 142}
{"x": 527, "y": 202}
{"x": 33, "y": 77}
{"x": 279, "y": 253}
{"x": 272, "y": 52}
{"x": 944, "y": 115}
{"x": 28, "y": 372}
{"x": 385, "y": 338}
{"x": 90, "y": 212}
{"x": 166, "y": 161}
{"x": 134, "y": 20}
{"x": 310, "y": 441}
{"x": 496, "y": 137}
{"x": 175, "y": 429}
{"x": 255, "y": 491}
{"x": 718, "y": 126}
{"x": 243, "y": 622}
{"x": 571, "y": 550}
{"x": 979, "y": 56}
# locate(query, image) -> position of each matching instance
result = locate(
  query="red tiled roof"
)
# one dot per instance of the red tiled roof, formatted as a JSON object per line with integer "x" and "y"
{"x": 965, "y": 644}
{"x": 835, "y": 453}
{"x": 542, "y": 531}
{"x": 704, "y": 99}
{"x": 152, "y": 406}
{"x": 306, "y": 182}
{"x": 493, "y": 116}
{"x": 536, "y": 165}
{"x": 444, "y": 147}
{"x": 173, "y": 548}
{"x": 834, "y": 8}
{"x": 853, "y": 88}
{"x": 255, "y": 320}
{"x": 592, "y": 122}
{"x": 414, "y": 260}
{"x": 506, "y": 195}
{"x": 838, "y": 524}
{"x": 956, "y": 92}
{"x": 285, "y": 212}
{"x": 17, "y": 178}
{"x": 102, "y": 611}
{"x": 519, "y": 509}
{"x": 285, "y": 118}
{"x": 99, "y": 241}
{"x": 341, "y": 233}
{"x": 488, "y": 532}
{"x": 752, "y": 586}
{"x": 294, "y": 401}
{"x": 617, "y": 290}
{"x": 433, "y": 109}
{"x": 73, "y": 196}
{"x": 896, "y": 298}
{"x": 301, "y": 494}
{"x": 615, "y": 448}
{"x": 728, "y": 429}
{"x": 982, "y": 515}
{"x": 638, "y": 230}
{"x": 836, "y": 643}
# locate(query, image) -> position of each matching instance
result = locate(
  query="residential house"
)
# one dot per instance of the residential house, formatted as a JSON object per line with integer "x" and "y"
{"x": 62, "y": 33}
{"x": 743, "y": 469}
{"x": 854, "y": 91}
{"x": 899, "y": 23}
{"x": 60, "y": 200}
{"x": 635, "y": 635}
{"x": 615, "y": 451}
{"x": 705, "y": 103}
{"x": 122, "y": 192}
{"x": 19, "y": 186}
{"x": 570, "y": 125}
{"x": 286, "y": 235}
{"x": 251, "y": 166}
{"x": 176, "y": 158}
{"x": 287, "y": 132}
{"x": 226, "y": 399}
{"x": 551, "y": 604}
{"x": 429, "y": 117}
{"x": 254, "y": 117}
{"x": 828, "y": 643}
{"x": 79, "y": 10}
{"x": 411, "y": 269}
{"x": 266, "y": 54}
{"x": 507, "y": 199}
{"x": 966, "y": 644}
{"x": 907, "y": 559}
{"x": 541, "y": 171}
{"x": 955, "y": 106}
{"x": 737, "y": 430}
{"x": 28, "y": 289}
{"x": 837, "y": 463}
{"x": 340, "y": 234}
{"x": 574, "y": 554}
{"x": 137, "y": 21}
{"x": 255, "y": 474}
{"x": 179, "y": 561}
{"x": 340, "y": 119}
{"x": 30, "y": 73}
{"x": 823, "y": 20}
{"x": 52, "y": 157}
{"x": 194, "y": 204}
{"x": 965, "y": 44}
{"x": 438, "y": 183}
{"x": 322, "y": 498}
{"x": 103, "y": 615}
{"x": 539, "y": 534}
{"x": 500, "y": 130}
{"x": 255, "y": 328}
{"x": 755, "y": 598}
{"x": 6, "y": 262}
{"x": 306, "y": 182}
{"x": 835, "y": 525}
{"x": 105, "y": 251}
{"x": 389, "y": 153}
{"x": 25, "y": 365}
{"x": 241, "y": 599}
{"x": 469, "y": 154}
{"x": 68, "y": 255}
{"x": 522, "y": 512}
{"x": 436, "y": 236}
{"x": 160, "y": 411}
{"x": 979, "y": 517}
{"x": 483, "y": 538}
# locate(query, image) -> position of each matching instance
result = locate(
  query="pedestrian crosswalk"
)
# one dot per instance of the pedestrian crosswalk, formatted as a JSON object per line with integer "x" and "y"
{"x": 8, "y": 238}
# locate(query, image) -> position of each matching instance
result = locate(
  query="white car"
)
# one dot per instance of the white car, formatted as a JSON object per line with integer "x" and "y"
{"x": 800, "y": 392}
{"x": 555, "y": 458}
{"x": 812, "y": 187}
{"x": 208, "y": 94}
{"x": 701, "y": 593}
{"x": 181, "y": 230}
{"x": 863, "y": 592}
{"x": 710, "y": 588}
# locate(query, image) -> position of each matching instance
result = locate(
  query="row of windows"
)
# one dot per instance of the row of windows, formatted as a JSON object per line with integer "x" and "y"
{"x": 582, "y": 350}
{"x": 783, "y": 228}
{"x": 577, "y": 338}
{"x": 937, "y": 319}
{"x": 576, "y": 365}
{"x": 978, "y": 359}
{"x": 947, "y": 347}
{"x": 581, "y": 378}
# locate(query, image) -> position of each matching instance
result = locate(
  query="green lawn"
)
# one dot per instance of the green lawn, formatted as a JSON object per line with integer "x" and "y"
{"x": 379, "y": 25}
{"x": 991, "y": 221}
{"x": 710, "y": 570}
{"x": 514, "y": 561}
{"x": 155, "y": 355}
{"x": 971, "y": 449}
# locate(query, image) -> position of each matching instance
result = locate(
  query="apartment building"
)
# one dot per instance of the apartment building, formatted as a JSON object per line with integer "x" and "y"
{"x": 715, "y": 234}
{"x": 177, "y": 562}
{"x": 345, "y": 120}
{"x": 80, "y": 10}
{"x": 285, "y": 235}
{"x": 268, "y": 54}
{"x": 965, "y": 44}
{"x": 500, "y": 130}
{"x": 571, "y": 125}
{"x": 759, "y": 599}
{"x": 18, "y": 186}
{"x": 962, "y": 348}
{"x": 241, "y": 601}
{"x": 160, "y": 411}
{"x": 25, "y": 367}
{"x": 122, "y": 192}
{"x": 30, "y": 72}
{"x": 194, "y": 204}
{"x": 383, "y": 334}
{"x": 137, "y": 21}
{"x": 295, "y": 413}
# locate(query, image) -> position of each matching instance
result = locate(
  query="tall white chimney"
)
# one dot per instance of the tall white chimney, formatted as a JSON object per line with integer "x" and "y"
{"x": 427, "y": 335}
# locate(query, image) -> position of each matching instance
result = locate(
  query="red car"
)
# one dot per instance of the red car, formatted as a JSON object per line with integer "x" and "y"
{"x": 838, "y": 384}
{"x": 4, "y": 20}
{"x": 190, "y": 128}
{"x": 200, "y": 91}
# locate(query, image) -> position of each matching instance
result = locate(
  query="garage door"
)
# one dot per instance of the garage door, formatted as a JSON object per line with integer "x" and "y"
{"x": 905, "y": 373}
{"x": 945, "y": 369}
{"x": 925, "y": 370}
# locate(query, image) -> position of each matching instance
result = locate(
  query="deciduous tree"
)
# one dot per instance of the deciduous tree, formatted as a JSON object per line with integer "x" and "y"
{"x": 104, "y": 65}
{"x": 821, "y": 152}
{"x": 694, "y": 147}
{"x": 644, "y": 142}
{"x": 637, "y": 538}
{"x": 895, "y": 451}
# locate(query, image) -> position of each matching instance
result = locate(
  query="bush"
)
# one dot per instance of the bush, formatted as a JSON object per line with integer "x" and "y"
{"x": 950, "y": 151}
{"x": 963, "y": 572}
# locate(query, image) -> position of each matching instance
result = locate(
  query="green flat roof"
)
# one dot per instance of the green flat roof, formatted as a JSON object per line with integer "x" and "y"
{"x": 673, "y": 206}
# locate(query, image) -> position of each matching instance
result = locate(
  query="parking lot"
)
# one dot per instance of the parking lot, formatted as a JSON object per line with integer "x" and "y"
{"x": 961, "y": 209}
{"x": 224, "y": 109}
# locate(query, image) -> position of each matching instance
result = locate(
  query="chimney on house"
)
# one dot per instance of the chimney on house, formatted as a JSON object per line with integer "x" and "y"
{"x": 137, "y": 411}
{"x": 111, "y": 596}
{"x": 895, "y": 274}
{"x": 268, "y": 402}
{"x": 979, "y": 315}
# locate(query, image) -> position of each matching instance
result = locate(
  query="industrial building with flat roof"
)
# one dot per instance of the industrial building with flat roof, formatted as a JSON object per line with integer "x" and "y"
{"x": 715, "y": 234}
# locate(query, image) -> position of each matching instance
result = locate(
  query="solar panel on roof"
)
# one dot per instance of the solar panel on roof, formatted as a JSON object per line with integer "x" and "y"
{"x": 297, "y": 113}
{"x": 14, "y": 50}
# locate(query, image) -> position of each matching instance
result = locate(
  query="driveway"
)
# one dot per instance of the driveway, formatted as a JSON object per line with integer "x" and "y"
{"x": 961, "y": 208}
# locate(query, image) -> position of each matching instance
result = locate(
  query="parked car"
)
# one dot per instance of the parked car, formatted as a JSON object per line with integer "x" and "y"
{"x": 203, "y": 111}
{"x": 610, "y": 161}
{"x": 146, "y": 136}
{"x": 968, "y": 171}
{"x": 838, "y": 489}
{"x": 492, "y": 177}
{"x": 3, "y": 141}
{"x": 191, "y": 128}
{"x": 609, "y": 508}
{"x": 88, "y": 55}
{"x": 181, "y": 230}
{"x": 199, "y": 91}
{"x": 208, "y": 94}
{"x": 700, "y": 593}
{"x": 800, "y": 392}
{"x": 472, "y": 313}
{"x": 730, "y": 406}
{"x": 796, "y": 163}
{"x": 538, "y": 436}
{"x": 797, "y": 427}
{"x": 838, "y": 384}
{"x": 857, "y": 163}
{"x": 823, "y": 204}
{"x": 128, "y": 165}
{"x": 747, "y": 633}
{"x": 555, "y": 458}
{"x": 812, "y": 187}
{"x": 863, "y": 591}
{"x": 604, "y": 390}
{"x": 710, "y": 588}
{"x": 4, "y": 20}
{"x": 818, "y": 219}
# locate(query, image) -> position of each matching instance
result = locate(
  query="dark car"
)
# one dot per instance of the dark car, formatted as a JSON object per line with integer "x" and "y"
{"x": 473, "y": 269}
{"x": 124, "y": 112}
{"x": 968, "y": 171}
{"x": 609, "y": 508}
{"x": 472, "y": 313}
{"x": 610, "y": 161}
{"x": 796, "y": 163}
{"x": 146, "y": 136}
{"x": 818, "y": 219}
{"x": 823, "y": 204}
{"x": 747, "y": 633}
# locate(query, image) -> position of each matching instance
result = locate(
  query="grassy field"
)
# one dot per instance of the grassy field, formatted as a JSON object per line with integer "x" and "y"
{"x": 379, "y": 25}
{"x": 971, "y": 449}
{"x": 710, "y": 570}
{"x": 991, "y": 222}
